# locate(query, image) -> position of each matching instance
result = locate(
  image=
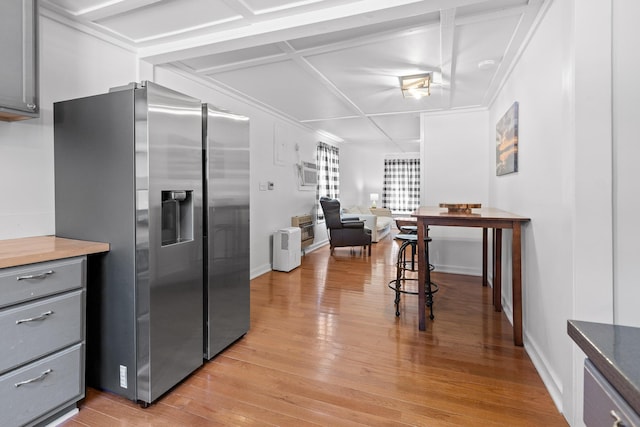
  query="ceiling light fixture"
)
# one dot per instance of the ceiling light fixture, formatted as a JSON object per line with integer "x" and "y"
{"x": 416, "y": 86}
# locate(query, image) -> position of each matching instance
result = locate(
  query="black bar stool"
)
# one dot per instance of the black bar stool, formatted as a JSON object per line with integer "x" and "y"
{"x": 409, "y": 229}
{"x": 402, "y": 266}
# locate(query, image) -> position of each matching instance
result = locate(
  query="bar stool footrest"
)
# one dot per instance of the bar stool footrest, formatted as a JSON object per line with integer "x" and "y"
{"x": 396, "y": 285}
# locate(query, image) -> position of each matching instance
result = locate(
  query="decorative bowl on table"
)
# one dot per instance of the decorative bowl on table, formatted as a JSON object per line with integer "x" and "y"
{"x": 460, "y": 208}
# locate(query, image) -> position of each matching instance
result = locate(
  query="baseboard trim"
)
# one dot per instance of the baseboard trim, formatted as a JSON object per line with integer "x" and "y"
{"x": 259, "y": 271}
{"x": 457, "y": 269}
{"x": 315, "y": 245}
{"x": 549, "y": 378}
{"x": 265, "y": 268}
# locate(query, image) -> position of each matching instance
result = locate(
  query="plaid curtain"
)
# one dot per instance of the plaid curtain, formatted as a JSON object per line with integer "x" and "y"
{"x": 401, "y": 186}
{"x": 327, "y": 159}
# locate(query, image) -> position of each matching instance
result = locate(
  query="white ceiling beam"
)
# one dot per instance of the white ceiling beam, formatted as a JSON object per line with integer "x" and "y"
{"x": 206, "y": 27}
{"x": 330, "y": 118}
{"x": 65, "y": 19}
{"x": 292, "y": 26}
{"x": 447, "y": 55}
{"x": 239, "y": 65}
{"x": 493, "y": 14}
{"x": 515, "y": 48}
{"x": 317, "y": 75}
{"x": 372, "y": 115}
{"x": 241, "y": 8}
{"x": 378, "y": 37}
{"x": 234, "y": 93}
{"x": 292, "y": 4}
{"x": 111, "y": 8}
{"x": 324, "y": 49}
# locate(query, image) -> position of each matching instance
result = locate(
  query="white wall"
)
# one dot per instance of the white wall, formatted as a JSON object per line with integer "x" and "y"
{"x": 454, "y": 170}
{"x": 72, "y": 64}
{"x": 577, "y": 182}
{"x": 362, "y": 171}
{"x": 542, "y": 190}
{"x": 453, "y": 167}
{"x": 564, "y": 183}
{"x": 271, "y": 210}
{"x": 626, "y": 152}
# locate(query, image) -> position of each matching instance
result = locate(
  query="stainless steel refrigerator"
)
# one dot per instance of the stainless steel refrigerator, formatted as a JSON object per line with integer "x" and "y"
{"x": 128, "y": 171}
{"x": 226, "y": 169}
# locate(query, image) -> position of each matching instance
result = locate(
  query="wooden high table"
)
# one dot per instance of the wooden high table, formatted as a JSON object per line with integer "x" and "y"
{"x": 484, "y": 218}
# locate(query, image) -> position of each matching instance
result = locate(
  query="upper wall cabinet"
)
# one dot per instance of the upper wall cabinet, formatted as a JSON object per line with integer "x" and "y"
{"x": 18, "y": 60}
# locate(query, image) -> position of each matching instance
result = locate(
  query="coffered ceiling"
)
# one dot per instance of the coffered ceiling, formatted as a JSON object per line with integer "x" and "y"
{"x": 332, "y": 65}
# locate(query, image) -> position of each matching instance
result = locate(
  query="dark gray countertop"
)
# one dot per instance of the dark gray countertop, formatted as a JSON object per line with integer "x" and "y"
{"x": 615, "y": 351}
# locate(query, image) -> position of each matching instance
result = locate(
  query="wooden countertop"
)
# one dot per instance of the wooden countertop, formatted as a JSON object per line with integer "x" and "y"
{"x": 29, "y": 250}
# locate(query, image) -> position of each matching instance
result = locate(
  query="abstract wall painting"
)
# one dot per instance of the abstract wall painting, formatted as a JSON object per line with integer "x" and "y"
{"x": 507, "y": 142}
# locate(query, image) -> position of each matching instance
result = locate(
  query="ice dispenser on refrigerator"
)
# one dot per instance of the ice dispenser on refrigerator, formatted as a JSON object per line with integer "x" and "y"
{"x": 177, "y": 217}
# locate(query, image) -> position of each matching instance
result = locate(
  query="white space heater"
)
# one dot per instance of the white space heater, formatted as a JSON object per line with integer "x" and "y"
{"x": 286, "y": 249}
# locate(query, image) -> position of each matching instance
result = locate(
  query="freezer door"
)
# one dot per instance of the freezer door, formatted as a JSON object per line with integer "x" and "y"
{"x": 169, "y": 272}
{"x": 226, "y": 146}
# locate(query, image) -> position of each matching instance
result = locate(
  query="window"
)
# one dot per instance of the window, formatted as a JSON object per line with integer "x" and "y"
{"x": 401, "y": 186}
{"x": 327, "y": 160}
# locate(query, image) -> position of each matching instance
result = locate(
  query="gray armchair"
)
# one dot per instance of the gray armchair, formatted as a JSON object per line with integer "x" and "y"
{"x": 344, "y": 232}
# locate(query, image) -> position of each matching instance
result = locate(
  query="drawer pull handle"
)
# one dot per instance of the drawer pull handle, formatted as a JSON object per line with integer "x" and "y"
{"x": 35, "y": 319}
{"x": 32, "y": 380}
{"x": 36, "y": 276}
{"x": 617, "y": 421}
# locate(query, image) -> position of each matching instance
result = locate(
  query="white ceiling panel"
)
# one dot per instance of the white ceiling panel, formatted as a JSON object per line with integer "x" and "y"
{"x": 77, "y": 6}
{"x": 287, "y": 88}
{"x": 361, "y": 34}
{"x": 371, "y": 79}
{"x": 266, "y": 6}
{"x": 333, "y": 65}
{"x": 169, "y": 18}
{"x": 207, "y": 64}
{"x": 96, "y": 9}
{"x": 400, "y": 127}
{"x": 355, "y": 129}
{"x": 476, "y": 42}
{"x": 492, "y": 6}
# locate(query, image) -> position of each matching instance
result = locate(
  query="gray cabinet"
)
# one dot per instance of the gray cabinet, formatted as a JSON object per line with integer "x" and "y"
{"x": 611, "y": 374}
{"x": 42, "y": 329}
{"x": 603, "y": 405}
{"x": 19, "y": 64}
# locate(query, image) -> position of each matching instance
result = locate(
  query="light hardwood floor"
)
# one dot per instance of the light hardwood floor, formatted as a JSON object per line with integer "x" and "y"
{"x": 325, "y": 348}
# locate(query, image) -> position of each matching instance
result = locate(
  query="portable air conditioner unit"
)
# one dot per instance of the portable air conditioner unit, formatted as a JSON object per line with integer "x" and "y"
{"x": 286, "y": 249}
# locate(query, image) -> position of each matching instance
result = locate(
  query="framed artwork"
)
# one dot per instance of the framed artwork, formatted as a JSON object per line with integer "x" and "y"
{"x": 507, "y": 142}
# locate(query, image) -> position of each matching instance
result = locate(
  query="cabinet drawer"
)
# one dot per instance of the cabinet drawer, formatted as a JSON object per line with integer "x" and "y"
{"x": 19, "y": 284}
{"x": 600, "y": 399}
{"x": 30, "y": 393}
{"x": 32, "y": 330}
